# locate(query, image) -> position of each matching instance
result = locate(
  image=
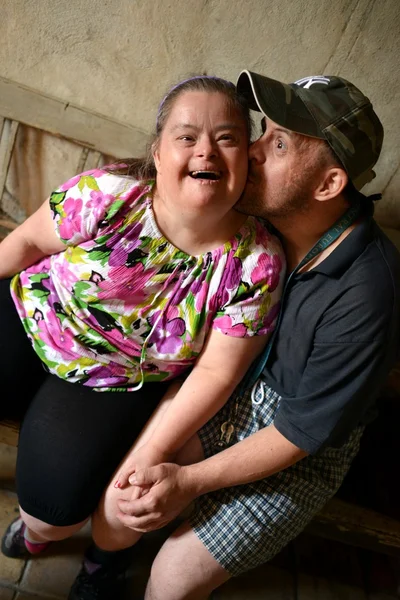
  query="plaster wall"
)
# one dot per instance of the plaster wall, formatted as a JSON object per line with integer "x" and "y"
{"x": 118, "y": 57}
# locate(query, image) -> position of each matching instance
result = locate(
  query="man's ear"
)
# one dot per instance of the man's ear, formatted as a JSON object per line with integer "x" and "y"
{"x": 332, "y": 184}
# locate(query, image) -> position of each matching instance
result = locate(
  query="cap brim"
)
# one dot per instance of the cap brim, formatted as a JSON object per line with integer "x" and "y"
{"x": 279, "y": 102}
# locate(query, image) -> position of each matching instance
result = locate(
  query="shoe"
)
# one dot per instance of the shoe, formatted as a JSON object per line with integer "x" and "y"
{"x": 14, "y": 544}
{"x": 102, "y": 584}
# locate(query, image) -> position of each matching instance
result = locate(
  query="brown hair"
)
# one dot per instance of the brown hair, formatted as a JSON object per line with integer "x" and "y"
{"x": 144, "y": 168}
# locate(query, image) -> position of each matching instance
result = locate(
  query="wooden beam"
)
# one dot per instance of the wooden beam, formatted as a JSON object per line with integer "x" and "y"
{"x": 7, "y": 141}
{"x": 84, "y": 127}
{"x": 357, "y": 526}
{"x": 9, "y": 432}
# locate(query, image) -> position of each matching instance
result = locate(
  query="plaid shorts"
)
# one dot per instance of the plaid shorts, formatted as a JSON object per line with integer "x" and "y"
{"x": 245, "y": 526}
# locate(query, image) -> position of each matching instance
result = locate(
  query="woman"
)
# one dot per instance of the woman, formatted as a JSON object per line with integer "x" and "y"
{"x": 129, "y": 277}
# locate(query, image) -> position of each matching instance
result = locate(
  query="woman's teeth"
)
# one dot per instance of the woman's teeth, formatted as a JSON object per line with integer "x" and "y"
{"x": 213, "y": 175}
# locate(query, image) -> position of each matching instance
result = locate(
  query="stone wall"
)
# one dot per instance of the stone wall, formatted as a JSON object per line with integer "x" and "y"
{"x": 117, "y": 57}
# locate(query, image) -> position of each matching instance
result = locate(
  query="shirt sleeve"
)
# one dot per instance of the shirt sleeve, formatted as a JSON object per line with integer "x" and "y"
{"x": 251, "y": 288}
{"x": 86, "y": 202}
{"x": 355, "y": 346}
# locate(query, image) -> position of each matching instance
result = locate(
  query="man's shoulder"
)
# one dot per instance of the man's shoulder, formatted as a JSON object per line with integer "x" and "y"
{"x": 379, "y": 264}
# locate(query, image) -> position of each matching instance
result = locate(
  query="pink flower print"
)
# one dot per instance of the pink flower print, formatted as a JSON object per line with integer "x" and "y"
{"x": 65, "y": 275}
{"x": 124, "y": 344}
{"x": 201, "y": 296}
{"x": 72, "y": 222}
{"x": 168, "y": 340}
{"x": 269, "y": 320}
{"x": 42, "y": 266}
{"x": 70, "y": 183}
{"x": 99, "y": 203}
{"x": 52, "y": 334}
{"x": 263, "y": 236}
{"x": 122, "y": 244}
{"x": 94, "y": 173}
{"x": 226, "y": 326}
{"x": 268, "y": 269}
{"x": 125, "y": 283}
{"x": 106, "y": 376}
{"x": 230, "y": 281}
{"x": 233, "y": 273}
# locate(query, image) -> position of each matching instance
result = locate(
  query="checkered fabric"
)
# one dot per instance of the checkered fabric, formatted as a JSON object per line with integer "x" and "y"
{"x": 245, "y": 526}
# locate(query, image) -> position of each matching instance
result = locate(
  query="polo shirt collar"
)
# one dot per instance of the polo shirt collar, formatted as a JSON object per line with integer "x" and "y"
{"x": 347, "y": 251}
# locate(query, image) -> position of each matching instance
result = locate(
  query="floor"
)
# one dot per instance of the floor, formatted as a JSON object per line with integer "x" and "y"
{"x": 309, "y": 569}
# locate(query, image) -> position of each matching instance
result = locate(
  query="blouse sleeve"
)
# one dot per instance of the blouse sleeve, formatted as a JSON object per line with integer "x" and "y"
{"x": 87, "y": 201}
{"x": 252, "y": 287}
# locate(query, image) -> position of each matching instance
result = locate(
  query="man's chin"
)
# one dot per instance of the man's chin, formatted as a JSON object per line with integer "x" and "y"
{"x": 246, "y": 203}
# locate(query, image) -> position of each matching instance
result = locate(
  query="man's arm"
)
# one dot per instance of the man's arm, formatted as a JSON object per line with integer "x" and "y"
{"x": 170, "y": 488}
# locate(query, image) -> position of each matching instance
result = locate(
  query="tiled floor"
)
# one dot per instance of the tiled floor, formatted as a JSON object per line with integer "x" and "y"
{"x": 310, "y": 569}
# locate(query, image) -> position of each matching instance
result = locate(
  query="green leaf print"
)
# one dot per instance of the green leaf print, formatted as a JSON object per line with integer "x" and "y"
{"x": 100, "y": 346}
{"x": 89, "y": 181}
{"x": 57, "y": 197}
{"x": 243, "y": 291}
{"x": 114, "y": 208}
{"x": 40, "y": 293}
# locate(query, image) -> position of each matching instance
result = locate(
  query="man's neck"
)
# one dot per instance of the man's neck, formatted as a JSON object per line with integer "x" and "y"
{"x": 300, "y": 232}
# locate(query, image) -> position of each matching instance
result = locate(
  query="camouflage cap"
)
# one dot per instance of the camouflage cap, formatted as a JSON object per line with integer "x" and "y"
{"x": 325, "y": 107}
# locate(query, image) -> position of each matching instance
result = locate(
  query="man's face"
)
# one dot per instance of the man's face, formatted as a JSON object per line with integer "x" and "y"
{"x": 283, "y": 172}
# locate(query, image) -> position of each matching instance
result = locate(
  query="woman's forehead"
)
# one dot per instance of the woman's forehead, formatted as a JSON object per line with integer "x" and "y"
{"x": 196, "y": 104}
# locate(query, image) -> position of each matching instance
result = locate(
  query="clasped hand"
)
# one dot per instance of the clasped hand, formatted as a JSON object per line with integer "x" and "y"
{"x": 146, "y": 456}
{"x": 165, "y": 493}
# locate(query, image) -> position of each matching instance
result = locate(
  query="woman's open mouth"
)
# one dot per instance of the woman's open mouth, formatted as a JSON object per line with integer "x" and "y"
{"x": 208, "y": 175}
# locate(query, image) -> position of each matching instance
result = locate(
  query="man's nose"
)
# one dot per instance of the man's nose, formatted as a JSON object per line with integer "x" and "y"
{"x": 257, "y": 151}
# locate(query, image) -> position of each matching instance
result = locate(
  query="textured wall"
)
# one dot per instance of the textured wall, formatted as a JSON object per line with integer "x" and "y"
{"x": 117, "y": 57}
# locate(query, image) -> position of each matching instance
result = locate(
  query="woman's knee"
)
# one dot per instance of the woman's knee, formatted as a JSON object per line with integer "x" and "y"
{"x": 50, "y": 533}
{"x": 107, "y": 530}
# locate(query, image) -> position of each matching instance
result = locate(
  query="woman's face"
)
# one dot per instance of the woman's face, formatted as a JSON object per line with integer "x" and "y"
{"x": 201, "y": 158}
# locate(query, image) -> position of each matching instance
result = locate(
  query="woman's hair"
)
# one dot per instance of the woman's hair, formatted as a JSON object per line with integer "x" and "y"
{"x": 144, "y": 168}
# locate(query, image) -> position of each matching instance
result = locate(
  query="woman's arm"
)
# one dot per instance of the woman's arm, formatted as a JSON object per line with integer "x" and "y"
{"x": 169, "y": 488}
{"x": 31, "y": 241}
{"x": 220, "y": 367}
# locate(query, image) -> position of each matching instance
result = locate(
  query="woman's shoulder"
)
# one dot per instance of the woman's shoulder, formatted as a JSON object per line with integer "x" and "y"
{"x": 106, "y": 180}
{"x": 258, "y": 237}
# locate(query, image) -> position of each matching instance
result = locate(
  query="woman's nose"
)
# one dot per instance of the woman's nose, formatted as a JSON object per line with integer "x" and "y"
{"x": 207, "y": 148}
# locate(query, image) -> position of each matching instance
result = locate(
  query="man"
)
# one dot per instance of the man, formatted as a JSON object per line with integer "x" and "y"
{"x": 279, "y": 449}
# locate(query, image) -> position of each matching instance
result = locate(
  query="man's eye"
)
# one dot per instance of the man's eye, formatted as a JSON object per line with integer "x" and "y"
{"x": 280, "y": 144}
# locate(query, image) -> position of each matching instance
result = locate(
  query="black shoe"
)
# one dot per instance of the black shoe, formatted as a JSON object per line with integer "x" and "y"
{"x": 13, "y": 542}
{"x": 104, "y": 584}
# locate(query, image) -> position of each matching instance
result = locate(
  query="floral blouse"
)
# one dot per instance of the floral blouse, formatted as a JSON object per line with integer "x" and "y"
{"x": 121, "y": 305}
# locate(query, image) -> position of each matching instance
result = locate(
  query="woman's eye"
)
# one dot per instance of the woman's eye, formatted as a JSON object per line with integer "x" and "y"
{"x": 227, "y": 137}
{"x": 186, "y": 138}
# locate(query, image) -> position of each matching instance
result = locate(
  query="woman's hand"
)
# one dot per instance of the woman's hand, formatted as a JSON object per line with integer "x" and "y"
{"x": 148, "y": 455}
{"x": 165, "y": 492}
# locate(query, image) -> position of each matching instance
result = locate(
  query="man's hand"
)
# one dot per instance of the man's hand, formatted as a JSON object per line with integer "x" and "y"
{"x": 146, "y": 456}
{"x": 165, "y": 494}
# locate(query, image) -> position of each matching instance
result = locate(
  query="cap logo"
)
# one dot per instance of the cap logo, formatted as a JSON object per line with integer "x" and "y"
{"x": 307, "y": 82}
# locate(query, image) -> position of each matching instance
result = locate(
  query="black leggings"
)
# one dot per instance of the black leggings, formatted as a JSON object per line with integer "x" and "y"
{"x": 72, "y": 438}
